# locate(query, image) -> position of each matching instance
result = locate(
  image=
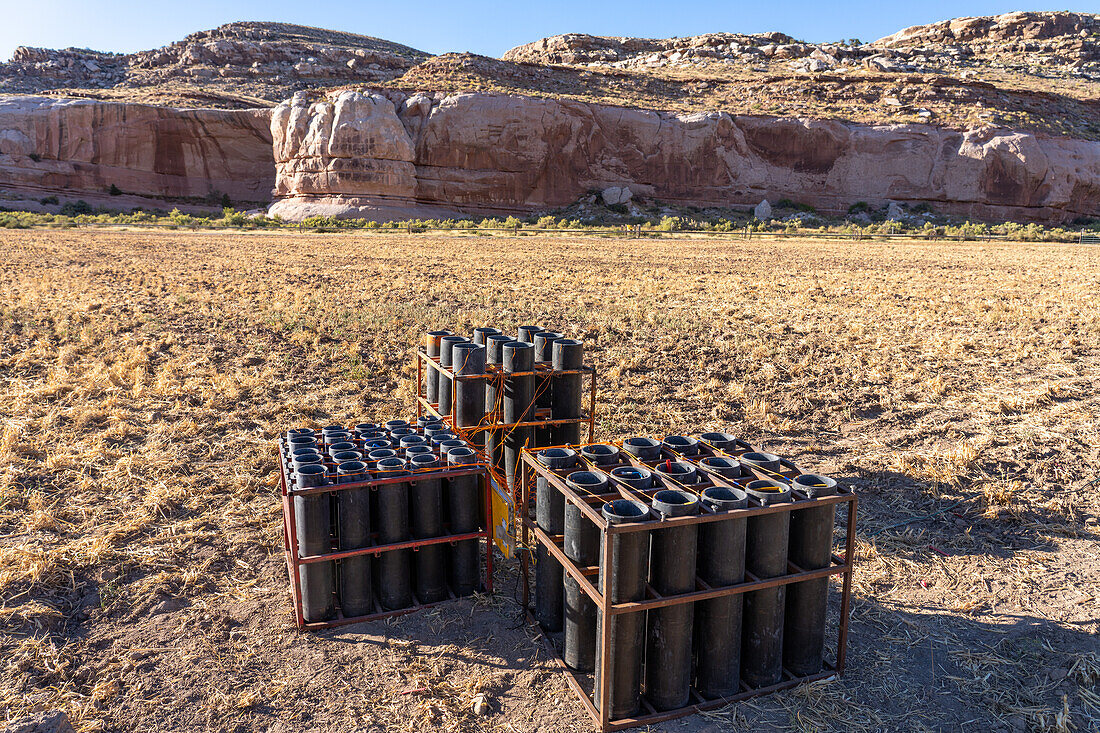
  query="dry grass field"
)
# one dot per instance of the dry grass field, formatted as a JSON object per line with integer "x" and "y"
{"x": 143, "y": 376}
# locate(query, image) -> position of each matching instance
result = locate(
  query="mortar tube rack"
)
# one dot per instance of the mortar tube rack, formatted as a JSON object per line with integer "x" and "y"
{"x": 294, "y": 561}
{"x": 493, "y": 420}
{"x": 843, "y": 566}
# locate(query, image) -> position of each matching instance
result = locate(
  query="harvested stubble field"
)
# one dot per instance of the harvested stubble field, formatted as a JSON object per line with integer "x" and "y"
{"x": 142, "y": 377}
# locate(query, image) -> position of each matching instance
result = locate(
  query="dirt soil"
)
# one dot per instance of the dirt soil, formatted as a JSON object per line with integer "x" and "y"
{"x": 144, "y": 375}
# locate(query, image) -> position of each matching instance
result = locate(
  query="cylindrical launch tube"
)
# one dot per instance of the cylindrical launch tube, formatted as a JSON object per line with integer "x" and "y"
{"x": 550, "y": 516}
{"x": 353, "y": 527}
{"x": 518, "y": 394}
{"x": 312, "y": 517}
{"x": 469, "y": 359}
{"x": 494, "y": 396}
{"x": 721, "y": 561}
{"x": 431, "y": 376}
{"x": 426, "y": 514}
{"x": 463, "y": 501}
{"x": 582, "y": 546}
{"x": 811, "y": 548}
{"x": 544, "y": 344}
{"x": 766, "y": 538}
{"x": 671, "y": 571}
{"x": 566, "y": 396}
{"x": 393, "y": 577}
{"x": 624, "y": 581}
{"x": 446, "y": 384}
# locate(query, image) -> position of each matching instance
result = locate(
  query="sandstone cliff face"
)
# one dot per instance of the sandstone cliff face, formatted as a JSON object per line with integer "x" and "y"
{"x": 385, "y": 155}
{"x": 78, "y": 149}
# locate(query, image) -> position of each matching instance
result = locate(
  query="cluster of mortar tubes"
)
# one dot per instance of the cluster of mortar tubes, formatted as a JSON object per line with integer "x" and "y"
{"x": 351, "y": 519}
{"x": 512, "y": 399}
{"x": 711, "y": 645}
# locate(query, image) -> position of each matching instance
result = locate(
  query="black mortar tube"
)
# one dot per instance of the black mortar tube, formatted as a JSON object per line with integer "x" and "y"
{"x": 550, "y": 516}
{"x": 721, "y": 561}
{"x": 566, "y": 391}
{"x": 394, "y": 587}
{"x": 446, "y": 384}
{"x": 624, "y": 581}
{"x": 463, "y": 513}
{"x": 426, "y": 520}
{"x": 644, "y": 449}
{"x": 312, "y": 518}
{"x": 482, "y": 334}
{"x": 353, "y": 532}
{"x": 544, "y": 347}
{"x": 494, "y": 394}
{"x": 582, "y": 546}
{"x": 526, "y": 334}
{"x": 721, "y": 465}
{"x": 810, "y": 548}
{"x": 719, "y": 441}
{"x": 600, "y": 455}
{"x": 634, "y": 476}
{"x": 671, "y": 571}
{"x": 763, "y": 462}
{"x": 682, "y": 444}
{"x": 518, "y": 395}
{"x": 431, "y": 379}
{"x": 766, "y": 539}
{"x": 469, "y": 359}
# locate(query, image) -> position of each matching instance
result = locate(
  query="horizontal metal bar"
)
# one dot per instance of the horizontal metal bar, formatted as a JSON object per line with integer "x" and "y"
{"x": 379, "y": 549}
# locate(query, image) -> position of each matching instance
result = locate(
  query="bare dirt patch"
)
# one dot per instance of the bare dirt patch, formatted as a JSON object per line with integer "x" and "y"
{"x": 143, "y": 375}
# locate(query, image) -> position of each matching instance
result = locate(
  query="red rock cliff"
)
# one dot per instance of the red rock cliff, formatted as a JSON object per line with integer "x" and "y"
{"x": 392, "y": 156}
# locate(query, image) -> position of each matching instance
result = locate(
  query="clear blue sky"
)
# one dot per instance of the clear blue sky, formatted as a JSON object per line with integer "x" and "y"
{"x": 484, "y": 27}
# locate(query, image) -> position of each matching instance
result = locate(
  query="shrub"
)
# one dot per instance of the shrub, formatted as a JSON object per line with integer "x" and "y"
{"x": 49, "y": 201}
{"x": 859, "y": 206}
{"x": 114, "y": 190}
{"x": 76, "y": 208}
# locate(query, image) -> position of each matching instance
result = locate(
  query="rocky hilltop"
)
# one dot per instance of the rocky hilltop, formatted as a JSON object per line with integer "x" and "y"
{"x": 238, "y": 64}
{"x": 994, "y": 117}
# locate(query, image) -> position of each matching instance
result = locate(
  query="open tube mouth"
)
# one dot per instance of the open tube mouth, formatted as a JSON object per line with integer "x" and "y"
{"x": 600, "y": 454}
{"x": 725, "y": 467}
{"x": 768, "y": 491}
{"x": 557, "y": 457}
{"x": 351, "y": 468}
{"x": 332, "y": 429}
{"x": 682, "y": 444}
{"x": 312, "y": 469}
{"x": 367, "y": 427}
{"x": 440, "y": 438}
{"x": 625, "y": 510}
{"x": 461, "y": 456}
{"x": 675, "y": 503}
{"x": 814, "y": 485}
{"x": 415, "y": 450}
{"x": 410, "y": 440}
{"x": 679, "y": 471}
{"x": 633, "y": 476}
{"x": 587, "y": 480}
{"x": 347, "y": 455}
{"x": 759, "y": 459}
{"x": 382, "y": 454}
{"x": 644, "y": 448}
{"x": 402, "y": 432}
{"x": 422, "y": 460}
{"x": 390, "y": 465}
{"x": 723, "y": 499}
{"x": 341, "y": 446}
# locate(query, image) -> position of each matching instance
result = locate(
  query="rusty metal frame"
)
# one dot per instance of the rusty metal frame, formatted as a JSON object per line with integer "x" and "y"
{"x": 843, "y": 566}
{"x": 294, "y": 560}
